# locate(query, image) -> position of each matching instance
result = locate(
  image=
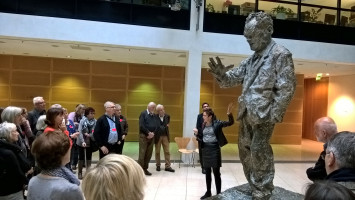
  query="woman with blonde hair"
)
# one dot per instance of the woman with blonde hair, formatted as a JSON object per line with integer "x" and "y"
{"x": 115, "y": 177}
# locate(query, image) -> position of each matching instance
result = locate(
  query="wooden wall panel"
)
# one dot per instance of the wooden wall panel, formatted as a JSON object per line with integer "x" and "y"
{"x": 107, "y": 82}
{"x": 315, "y": 104}
{"x": 30, "y": 78}
{"x": 206, "y": 87}
{"x": 133, "y": 111}
{"x": 109, "y": 68}
{"x": 26, "y": 104}
{"x": 31, "y": 63}
{"x": 173, "y": 85}
{"x": 144, "y": 84}
{"x": 27, "y": 93}
{"x": 5, "y": 61}
{"x": 4, "y": 77}
{"x": 4, "y": 103}
{"x": 70, "y": 95}
{"x": 174, "y": 73}
{"x": 171, "y": 99}
{"x": 176, "y": 113}
{"x": 70, "y": 80}
{"x": 143, "y": 98}
{"x": 101, "y": 96}
{"x": 221, "y": 97}
{"x": 5, "y": 92}
{"x": 71, "y": 66}
{"x": 145, "y": 70}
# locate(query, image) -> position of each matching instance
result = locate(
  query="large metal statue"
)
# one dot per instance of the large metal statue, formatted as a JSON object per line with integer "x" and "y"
{"x": 269, "y": 82}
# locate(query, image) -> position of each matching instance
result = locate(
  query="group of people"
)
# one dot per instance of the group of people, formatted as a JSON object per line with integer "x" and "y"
{"x": 334, "y": 172}
{"x": 154, "y": 130}
{"x": 41, "y": 149}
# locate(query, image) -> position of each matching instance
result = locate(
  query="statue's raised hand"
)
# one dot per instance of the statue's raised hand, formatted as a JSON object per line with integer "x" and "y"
{"x": 218, "y": 68}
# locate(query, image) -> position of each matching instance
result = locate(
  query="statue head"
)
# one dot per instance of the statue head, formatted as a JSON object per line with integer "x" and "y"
{"x": 258, "y": 30}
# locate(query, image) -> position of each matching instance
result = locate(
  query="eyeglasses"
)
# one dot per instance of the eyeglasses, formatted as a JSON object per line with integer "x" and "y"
{"x": 323, "y": 155}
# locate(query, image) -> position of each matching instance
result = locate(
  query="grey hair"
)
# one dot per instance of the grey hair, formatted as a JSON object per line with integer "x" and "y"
{"x": 41, "y": 125}
{"x": 159, "y": 107}
{"x": 262, "y": 19}
{"x": 10, "y": 113}
{"x": 106, "y": 105}
{"x": 118, "y": 106}
{"x": 5, "y": 130}
{"x": 56, "y": 106}
{"x": 151, "y": 104}
{"x": 343, "y": 147}
{"x": 36, "y": 99}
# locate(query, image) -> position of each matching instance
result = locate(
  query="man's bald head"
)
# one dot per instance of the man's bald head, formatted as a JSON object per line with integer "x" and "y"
{"x": 324, "y": 129}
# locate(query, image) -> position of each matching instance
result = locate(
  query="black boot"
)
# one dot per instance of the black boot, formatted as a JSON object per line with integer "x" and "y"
{"x": 80, "y": 169}
{"x": 207, "y": 194}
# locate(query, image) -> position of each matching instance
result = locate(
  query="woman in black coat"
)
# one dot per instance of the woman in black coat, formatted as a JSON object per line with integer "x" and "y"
{"x": 213, "y": 139}
{"x": 14, "y": 166}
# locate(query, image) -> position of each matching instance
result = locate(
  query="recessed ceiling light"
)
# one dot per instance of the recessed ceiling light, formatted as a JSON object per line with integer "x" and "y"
{"x": 54, "y": 45}
{"x": 68, "y": 56}
{"x": 106, "y": 50}
{"x": 327, "y": 74}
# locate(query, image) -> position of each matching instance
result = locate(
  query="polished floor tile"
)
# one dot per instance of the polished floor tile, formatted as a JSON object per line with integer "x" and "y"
{"x": 188, "y": 183}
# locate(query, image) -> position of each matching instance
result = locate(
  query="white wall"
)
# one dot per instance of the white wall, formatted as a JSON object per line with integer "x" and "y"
{"x": 50, "y": 28}
{"x": 341, "y": 101}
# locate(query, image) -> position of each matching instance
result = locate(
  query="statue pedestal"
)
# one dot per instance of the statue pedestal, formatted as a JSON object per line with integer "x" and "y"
{"x": 243, "y": 192}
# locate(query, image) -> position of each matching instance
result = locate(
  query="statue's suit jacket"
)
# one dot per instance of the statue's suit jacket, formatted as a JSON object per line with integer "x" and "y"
{"x": 268, "y": 81}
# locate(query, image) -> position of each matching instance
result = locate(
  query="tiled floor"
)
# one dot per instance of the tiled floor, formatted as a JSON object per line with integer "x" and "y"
{"x": 291, "y": 162}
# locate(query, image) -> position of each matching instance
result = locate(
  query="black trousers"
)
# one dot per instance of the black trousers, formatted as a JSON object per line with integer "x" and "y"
{"x": 112, "y": 148}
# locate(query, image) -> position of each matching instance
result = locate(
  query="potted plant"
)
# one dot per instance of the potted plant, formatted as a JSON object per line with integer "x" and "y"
{"x": 281, "y": 12}
{"x": 313, "y": 14}
{"x": 210, "y": 8}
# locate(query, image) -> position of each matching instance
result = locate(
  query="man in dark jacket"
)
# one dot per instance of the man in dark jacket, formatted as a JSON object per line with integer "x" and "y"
{"x": 324, "y": 129}
{"x": 340, "y": 159}
{"x": 107, "y": 133}
{"x": 124, "y": 125}
{"x": 148, "y": 125}
{"x": 38, "y": 110}
{"x": 162, "y": 138}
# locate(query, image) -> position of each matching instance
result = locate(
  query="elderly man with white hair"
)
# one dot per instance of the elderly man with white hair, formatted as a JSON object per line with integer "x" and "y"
{"x": 107, "y": 133}
{"x": 148, "y": 125}
{"x": 38, "y": 110}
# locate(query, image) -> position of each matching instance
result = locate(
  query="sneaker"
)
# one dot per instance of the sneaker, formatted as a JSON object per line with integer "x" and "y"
{"x": 169, "y": 169}
{"x": 146, "y": 172}
{"x": 207, "y": 194}
{"x": 158, "y": 168}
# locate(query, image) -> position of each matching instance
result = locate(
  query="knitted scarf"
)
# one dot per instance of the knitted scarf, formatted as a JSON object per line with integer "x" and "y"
{"x": 62, "y": 172}
{"x": 89, "y": 124}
